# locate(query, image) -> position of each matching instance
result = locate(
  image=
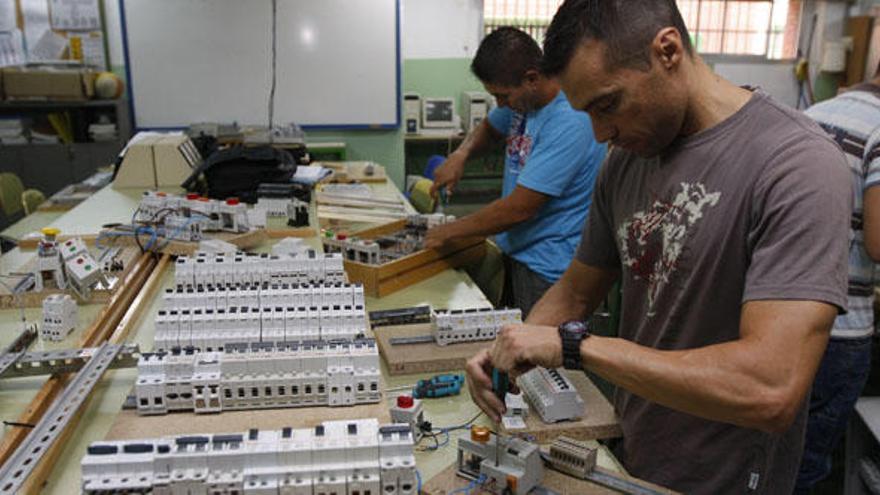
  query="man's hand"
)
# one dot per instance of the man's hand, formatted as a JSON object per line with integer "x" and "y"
{"x": 517, "y": 349}
{"x": 449, "y": 173}
{"x": 437, "y": 237}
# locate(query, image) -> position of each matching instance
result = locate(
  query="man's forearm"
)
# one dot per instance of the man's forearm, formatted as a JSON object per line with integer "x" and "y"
{"x": 496, "y": 217}
{"x": 746, "y": 382}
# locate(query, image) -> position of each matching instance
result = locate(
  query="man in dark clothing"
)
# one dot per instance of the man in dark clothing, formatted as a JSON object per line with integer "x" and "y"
{"x": 725, "y": 217}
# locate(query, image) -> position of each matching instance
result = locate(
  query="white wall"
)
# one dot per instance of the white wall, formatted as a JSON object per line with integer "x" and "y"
{"x": 440, "y": 28}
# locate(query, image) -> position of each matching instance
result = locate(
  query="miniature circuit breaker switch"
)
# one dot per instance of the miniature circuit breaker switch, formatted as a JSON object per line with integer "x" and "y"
{"x": 342, "y": 457}
{"x": 551, "y": 394}
{"x": 471, "y": 325}
{"x": 261, "y": 375}
{"x": 212, "y": 316}
{"x": 504, "y": 464}
{"x": 572, "y": 457}
{"x": 59, "y": 317}
{"x": 408, "y": 410}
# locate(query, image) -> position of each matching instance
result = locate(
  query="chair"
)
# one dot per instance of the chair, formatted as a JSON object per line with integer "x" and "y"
{"x": 31, "y": 199}
{"x": 420, "y": 196}
{"x": 10, "y": 194}
{"x": 488, "y": 273}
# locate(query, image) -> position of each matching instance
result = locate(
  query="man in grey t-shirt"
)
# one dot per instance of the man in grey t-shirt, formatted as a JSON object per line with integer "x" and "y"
{"x": 724, "y": 216}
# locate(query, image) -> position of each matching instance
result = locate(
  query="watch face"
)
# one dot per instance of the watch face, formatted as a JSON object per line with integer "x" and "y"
{"x": 574, "y": 327}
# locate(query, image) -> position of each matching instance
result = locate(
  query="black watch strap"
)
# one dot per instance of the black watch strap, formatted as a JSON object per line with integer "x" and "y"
{"x": 572, "y": 334}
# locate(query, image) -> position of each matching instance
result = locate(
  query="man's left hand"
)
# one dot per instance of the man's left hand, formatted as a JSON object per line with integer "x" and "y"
{"x": 519, "y": 348}
{"x": 437, "y": 237}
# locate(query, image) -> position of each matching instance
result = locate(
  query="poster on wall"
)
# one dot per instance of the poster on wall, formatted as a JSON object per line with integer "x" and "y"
{"x": 75, "y": 15}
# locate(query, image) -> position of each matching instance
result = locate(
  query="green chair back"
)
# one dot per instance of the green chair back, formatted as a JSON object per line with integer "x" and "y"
{"x": 31, "y": 199}
{"x": 10, "y": 194}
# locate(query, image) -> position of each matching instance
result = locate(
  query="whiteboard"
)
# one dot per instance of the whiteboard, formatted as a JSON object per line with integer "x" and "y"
{"x": 188, "y": 61}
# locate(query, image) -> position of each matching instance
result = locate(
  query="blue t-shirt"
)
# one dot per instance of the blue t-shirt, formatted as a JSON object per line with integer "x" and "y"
{"x": 551, "y": 151}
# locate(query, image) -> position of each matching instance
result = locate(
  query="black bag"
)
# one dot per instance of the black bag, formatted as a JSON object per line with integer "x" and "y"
{"x": 237, "y": 171}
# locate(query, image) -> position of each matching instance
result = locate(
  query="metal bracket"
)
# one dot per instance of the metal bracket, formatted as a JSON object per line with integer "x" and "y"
{"x": 418, "y": 339}
{"x": 16, "y": 365}
{"x": 28, "y": 455}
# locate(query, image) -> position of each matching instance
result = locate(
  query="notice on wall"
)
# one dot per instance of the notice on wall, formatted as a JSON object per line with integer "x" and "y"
{"x": 36, "y": 22}
{"x": 11, "y": 48}
{"x": 75, "y": 15}
{"x": 89, "y": 48}
{"x": 7, "y": 15}
{"x": 50, "y": 46}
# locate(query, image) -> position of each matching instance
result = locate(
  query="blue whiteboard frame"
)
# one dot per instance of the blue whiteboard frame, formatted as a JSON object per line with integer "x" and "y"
{"x": 323, "y": 127}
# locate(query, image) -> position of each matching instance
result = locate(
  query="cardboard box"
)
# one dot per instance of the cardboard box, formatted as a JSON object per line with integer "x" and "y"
{"x": 21, "y": 83}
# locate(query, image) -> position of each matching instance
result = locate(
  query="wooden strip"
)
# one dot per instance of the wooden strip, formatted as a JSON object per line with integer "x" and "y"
{"x": 403, "y": 280}
{"x": 141, "y": 302}
{"x": 302, "y": 232}
{"x": 30, "y": 243}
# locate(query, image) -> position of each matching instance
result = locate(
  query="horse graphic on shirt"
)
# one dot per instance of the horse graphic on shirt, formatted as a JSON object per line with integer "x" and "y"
{"x": 651, "y": 241}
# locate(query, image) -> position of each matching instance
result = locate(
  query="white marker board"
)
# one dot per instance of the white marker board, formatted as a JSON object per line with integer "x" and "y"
{"x": 191, "y": 61}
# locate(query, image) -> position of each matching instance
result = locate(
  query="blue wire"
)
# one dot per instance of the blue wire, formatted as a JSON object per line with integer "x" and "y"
{"x": 419, "y": 480}
{"x": 471, "y": 486}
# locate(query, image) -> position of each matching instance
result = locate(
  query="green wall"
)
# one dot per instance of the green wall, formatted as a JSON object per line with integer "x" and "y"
{"x": 428, "y": 77}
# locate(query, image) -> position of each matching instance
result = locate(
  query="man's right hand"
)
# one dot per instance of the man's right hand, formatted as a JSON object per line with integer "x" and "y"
{"x": 479, "y": 380}
{"x": 449, "y": 173}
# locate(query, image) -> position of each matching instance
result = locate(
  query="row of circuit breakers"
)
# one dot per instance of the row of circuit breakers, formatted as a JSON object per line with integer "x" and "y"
{"x": 309, "y": 267}
{"x": 350, "y": 457}
{"x": 261, "y": 375}
{"x": 211, "y": 317}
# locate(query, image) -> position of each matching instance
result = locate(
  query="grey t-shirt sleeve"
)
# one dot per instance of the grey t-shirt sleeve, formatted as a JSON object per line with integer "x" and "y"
{"x": 597, "y": 247}
{"x": 799, "y": 235}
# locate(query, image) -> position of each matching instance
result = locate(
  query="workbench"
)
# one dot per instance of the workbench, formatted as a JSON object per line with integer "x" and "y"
{"x": 450, "y": 289}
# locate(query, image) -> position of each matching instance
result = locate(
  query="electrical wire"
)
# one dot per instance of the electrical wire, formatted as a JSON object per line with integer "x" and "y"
{"x": 418, "y": 481}
{"x": 273, "y": 66}
{"x": 471, "y": 486}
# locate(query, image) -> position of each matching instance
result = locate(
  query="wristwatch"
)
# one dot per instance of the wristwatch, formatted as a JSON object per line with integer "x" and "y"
{"x": 572, "y": 334}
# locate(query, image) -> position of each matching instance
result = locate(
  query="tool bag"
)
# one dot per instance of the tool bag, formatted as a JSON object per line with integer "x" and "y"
{"x": 238, "y": 171}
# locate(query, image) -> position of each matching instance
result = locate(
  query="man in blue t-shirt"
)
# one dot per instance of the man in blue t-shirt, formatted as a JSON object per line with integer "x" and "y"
{"x": 552, "y": 160}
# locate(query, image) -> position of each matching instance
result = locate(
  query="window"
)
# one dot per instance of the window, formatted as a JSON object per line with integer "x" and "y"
{"x": 765, "y": 28}
{"x": 532, "y": 16}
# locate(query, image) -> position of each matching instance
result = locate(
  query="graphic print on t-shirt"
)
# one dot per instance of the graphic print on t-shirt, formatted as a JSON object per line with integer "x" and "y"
{"x": 519, "y": 144}
{"x": 651, "y": 241}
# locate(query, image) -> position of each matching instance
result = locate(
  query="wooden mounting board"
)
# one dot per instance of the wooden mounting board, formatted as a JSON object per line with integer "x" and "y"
{"x": 129, "y": 426}
{"x": 101, "y": 295}
{"x": 447, "y": 481}
{"x": 598, "y": 422}
{"x": 422, "y": 358}
{"x": 354, "y": 172}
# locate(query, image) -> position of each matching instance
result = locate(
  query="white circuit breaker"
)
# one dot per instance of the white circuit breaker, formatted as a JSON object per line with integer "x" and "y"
{"x": 345, "y": 457}
{"x": 471, "y": 325}
{"x": 209, "y": 268}
{"x": 261, "y": 375}
{"x": 210, "y": 317}
{"x": 59, "y": 317}
{"x": 551, "y": 394}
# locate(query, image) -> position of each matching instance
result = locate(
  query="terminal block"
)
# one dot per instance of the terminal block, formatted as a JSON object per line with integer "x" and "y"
{"x": 396, "y": 245}
{"x": 471, "y": 325}
{"x": 59, "y": 317}
{"x": 572, "y": 457}
{"x": 186, "y": 218}
{"x": 342, "y": 457}
{"x": 256, "y": 376}
{"x": 505, "y": 464}
{"x": 552, "y": 395}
